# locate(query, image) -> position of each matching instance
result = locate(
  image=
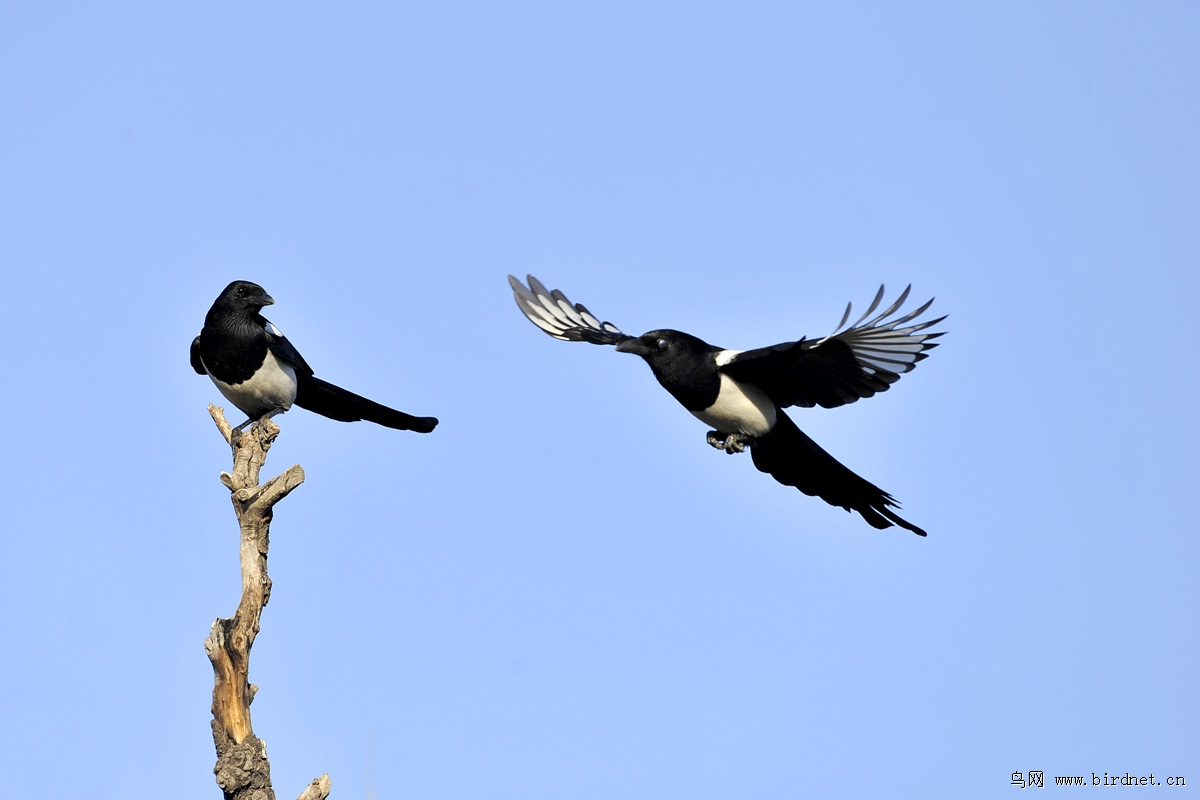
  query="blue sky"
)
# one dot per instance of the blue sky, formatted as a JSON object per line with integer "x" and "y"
{"x": 563, "y": 591}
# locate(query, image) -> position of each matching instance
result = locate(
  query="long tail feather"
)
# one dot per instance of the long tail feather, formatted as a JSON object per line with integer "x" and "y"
{"x": 343, "y": 405}
{"x": 789, "y": 456}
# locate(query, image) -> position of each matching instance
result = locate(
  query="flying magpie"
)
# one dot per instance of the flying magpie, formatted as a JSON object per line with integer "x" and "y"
{"x": 261, "y": 373}
{"x": 742, "y": 393}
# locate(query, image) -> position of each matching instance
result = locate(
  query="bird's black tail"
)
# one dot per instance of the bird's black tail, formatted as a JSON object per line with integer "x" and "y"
{"x": 793, "y": 459}
{"x": 337, "y": 403}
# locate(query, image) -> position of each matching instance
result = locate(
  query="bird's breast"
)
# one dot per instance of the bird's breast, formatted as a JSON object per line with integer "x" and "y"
{"x": 272, "y": 387}
{"x": 739, "y": 408}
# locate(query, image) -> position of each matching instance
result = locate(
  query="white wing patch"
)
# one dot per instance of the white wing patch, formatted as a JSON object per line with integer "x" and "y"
{"x": 725, "y": 356}
{"x": 271, "y": 329}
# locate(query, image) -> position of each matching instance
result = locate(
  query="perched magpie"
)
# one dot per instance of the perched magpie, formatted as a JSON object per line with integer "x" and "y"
{"x": 261, "y": 373}
{"x": 742, "y": 394}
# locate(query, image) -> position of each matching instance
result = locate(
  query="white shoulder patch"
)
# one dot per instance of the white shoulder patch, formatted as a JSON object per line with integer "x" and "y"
{"x": 725, "y": 356}
{"x": 271, "y": 329}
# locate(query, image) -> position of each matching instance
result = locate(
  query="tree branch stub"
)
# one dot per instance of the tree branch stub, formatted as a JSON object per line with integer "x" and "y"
{"x": 242, "y": 769}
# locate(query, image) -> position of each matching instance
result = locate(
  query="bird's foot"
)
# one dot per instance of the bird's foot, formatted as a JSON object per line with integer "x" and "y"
{"x": 235, "y": 435}
{"x": 729, "y": 442}
{"x": 266, "y": 430}
{"x": 738, "y": 442}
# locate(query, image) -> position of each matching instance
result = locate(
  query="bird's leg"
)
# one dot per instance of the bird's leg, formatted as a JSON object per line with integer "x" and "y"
{"x": 716, "y": 439}
{"x": 235, "y": 435}
{"x": 261, "y": 437}
{"x": 738, "y": 442}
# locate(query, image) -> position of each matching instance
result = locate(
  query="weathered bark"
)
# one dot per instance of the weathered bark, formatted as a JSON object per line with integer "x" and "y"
{"x": 242, "y": 769}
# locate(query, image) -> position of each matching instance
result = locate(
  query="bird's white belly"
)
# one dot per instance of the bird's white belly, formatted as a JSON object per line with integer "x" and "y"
{"x": 740, "y": 408}
{"x": 272, "y": 387}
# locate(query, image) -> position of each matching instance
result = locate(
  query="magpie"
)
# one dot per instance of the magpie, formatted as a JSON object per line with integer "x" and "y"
{"x": 742, "y": 393}
{"x": 260, "y": 372}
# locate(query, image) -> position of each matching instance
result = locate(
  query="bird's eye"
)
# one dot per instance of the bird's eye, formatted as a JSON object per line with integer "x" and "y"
{"x": 241, "y": 290}
{"x": 661, "y": 344}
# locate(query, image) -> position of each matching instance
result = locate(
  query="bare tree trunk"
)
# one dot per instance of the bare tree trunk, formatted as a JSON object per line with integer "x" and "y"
{"x": 242, "y": 769}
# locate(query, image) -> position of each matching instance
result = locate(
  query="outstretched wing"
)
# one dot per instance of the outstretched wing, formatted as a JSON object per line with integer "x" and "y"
{"x": 866, "y": 358}
{"x": 557, "y": 316}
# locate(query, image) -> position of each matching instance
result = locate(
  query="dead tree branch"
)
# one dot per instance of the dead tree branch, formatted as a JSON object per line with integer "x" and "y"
{"x": 242, "y": 769}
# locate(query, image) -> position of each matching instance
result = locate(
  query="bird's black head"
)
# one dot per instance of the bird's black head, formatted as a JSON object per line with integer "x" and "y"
{"x": 243, "y": 295}
{"x": 664, "y": 345}
{"x": 674, "y": 356}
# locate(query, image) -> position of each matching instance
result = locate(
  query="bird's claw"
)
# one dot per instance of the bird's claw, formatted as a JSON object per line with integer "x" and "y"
{"x": 235, "y": 435}
{"x": 738, "y": 442}
{"x": 730, "y": 442}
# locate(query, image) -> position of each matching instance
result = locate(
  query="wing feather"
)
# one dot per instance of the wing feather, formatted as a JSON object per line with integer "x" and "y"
{"x": 844, "y": 366}
{"x": 556, "y": 315}
{"x": 874, "y": 305}
{"x": 197, "y": 362}
{"x": 285, "y": 350}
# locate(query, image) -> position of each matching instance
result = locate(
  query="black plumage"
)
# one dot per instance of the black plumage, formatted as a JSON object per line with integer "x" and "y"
{"x": 260, "y": 372}
{"x": 742, "y": 394}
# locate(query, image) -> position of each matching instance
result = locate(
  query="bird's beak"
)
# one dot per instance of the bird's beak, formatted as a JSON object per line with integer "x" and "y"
{"x": 635, "y": 346}
{"x": 265, "y": 299}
